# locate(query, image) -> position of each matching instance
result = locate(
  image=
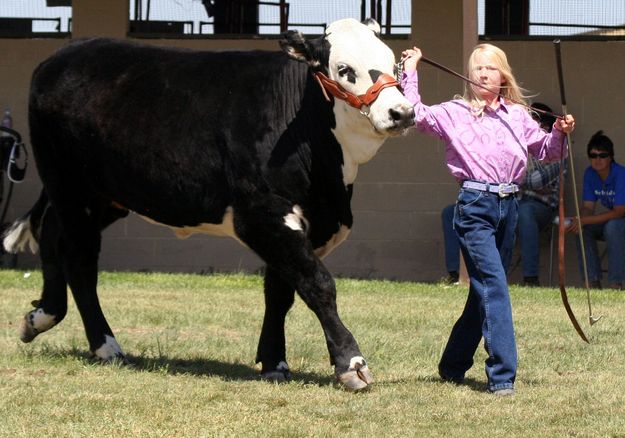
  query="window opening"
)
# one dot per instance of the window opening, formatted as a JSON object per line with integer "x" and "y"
{"x": 35, "y": 18}
{"x": 580, "y": 19}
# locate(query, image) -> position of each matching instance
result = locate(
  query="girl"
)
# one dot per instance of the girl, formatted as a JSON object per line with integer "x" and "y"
{"x": 488, "y": 138}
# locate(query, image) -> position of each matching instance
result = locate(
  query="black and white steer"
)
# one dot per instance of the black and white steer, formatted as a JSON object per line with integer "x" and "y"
{"x": 260, "y": 146}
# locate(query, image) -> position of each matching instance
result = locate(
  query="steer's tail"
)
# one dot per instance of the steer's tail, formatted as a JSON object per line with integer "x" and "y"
{"x": 26, "y": 230}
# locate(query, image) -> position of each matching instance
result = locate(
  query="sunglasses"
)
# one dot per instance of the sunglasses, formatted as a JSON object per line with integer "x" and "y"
{"x": 599, "y": 155}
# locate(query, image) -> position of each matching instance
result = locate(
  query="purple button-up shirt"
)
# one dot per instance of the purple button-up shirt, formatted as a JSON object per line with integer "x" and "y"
{"x": 492, "y": 147}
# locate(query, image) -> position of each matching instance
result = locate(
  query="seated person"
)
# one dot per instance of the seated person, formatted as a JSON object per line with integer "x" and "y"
{"x": 538, "y": 204}
{"x": 604, "y": 184}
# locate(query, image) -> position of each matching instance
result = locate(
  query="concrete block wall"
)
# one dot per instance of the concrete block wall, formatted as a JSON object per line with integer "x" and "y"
{"x": 399, "y": 195}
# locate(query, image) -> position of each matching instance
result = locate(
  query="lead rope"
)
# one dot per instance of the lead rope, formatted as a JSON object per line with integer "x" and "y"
{"x": 399, "y": 70}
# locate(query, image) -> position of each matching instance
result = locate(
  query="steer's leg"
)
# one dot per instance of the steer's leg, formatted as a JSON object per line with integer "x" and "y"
{"x": 80, "y": 246}
{"x": 278, "y": 236}
{"x": 316, "y": 288}
{"x": 279, "y": 297}
{"x": 51, "y": 307}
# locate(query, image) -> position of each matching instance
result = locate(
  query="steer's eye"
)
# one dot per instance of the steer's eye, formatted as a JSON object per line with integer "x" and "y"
{"x": 346, "y": 72}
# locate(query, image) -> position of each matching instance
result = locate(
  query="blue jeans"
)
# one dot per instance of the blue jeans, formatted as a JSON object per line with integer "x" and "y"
{"x": 534, "y": 216}
{"x": 613, "y": 232}
{"x": 485, "y": 224}
{"x": 452, "y": 245}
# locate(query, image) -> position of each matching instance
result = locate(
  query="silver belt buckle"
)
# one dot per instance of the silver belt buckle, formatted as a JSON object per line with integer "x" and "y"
{"x": 505, "y": 190}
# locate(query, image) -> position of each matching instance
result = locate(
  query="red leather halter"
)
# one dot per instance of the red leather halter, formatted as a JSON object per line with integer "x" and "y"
{"x": 335, "y": 89}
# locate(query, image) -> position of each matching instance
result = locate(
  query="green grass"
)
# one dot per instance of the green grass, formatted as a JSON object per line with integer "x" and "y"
{"x": 192, "y": 342}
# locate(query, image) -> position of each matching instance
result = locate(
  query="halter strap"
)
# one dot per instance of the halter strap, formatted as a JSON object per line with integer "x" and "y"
{"x": 335, "y": 89}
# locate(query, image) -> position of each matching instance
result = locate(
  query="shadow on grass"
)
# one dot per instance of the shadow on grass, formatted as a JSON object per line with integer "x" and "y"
{"x": 474, "y": 385}
{"x": 209, "y": 367}
{"x": 227, "y": 371}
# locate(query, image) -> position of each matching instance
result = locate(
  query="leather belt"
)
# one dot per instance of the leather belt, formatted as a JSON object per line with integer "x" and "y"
{"x": 503, "y": 189}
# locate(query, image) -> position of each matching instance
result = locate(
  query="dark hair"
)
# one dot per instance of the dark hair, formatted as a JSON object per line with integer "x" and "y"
{"x": 601, "y": 142}
{"x": 546, "y": 121}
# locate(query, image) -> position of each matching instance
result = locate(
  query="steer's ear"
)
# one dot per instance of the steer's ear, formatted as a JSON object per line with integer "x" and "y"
{"x": 373, "y": 25}
{"x": 298, "y": 47}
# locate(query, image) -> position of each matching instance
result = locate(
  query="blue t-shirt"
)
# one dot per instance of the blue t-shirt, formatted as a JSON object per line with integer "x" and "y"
{"x": 610, "y": 192}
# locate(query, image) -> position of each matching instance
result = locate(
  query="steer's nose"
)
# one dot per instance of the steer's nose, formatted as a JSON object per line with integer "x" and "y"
{"x": 402, "y": 116}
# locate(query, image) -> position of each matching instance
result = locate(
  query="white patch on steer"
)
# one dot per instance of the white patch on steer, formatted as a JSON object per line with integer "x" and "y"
{"x": 109, "y": 350}
{"x": 360, "y": 136}
{"x": 334, "y": 241}
{"x": 224, "y": 229}
{"x": 355, "y": 153}
{"x": 41, "y": 321}
{"x": 296, "y": 220}
{"x": 357, "y": 363}
{"x": 18, "y": 236}
{"x": 279, "y": 375}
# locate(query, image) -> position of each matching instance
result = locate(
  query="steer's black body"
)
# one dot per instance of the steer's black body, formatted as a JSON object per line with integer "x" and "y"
{"x": 178, "y": 136}
{"x": 232, "y": 143}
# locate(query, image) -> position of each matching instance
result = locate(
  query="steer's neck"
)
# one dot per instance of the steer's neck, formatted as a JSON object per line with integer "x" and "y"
{"x": 357, "y": 149}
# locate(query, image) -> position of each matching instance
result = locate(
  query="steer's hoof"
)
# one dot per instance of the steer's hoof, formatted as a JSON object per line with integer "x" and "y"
{"x": 115, "y": 359}
{"x": 35, "y": 322}
{"x": 357, "y": 377}
{"x": 281, "y": 374}
{"x": 27, "y": 331}
{"x": 110, "y": 352}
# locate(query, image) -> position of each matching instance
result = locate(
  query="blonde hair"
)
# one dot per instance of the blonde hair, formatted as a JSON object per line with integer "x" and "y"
{"x": 510, "y": 89}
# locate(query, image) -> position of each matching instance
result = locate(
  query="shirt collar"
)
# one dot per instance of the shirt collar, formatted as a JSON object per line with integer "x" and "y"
{"x": 611, "y": 173}
{"x": 502, "y": 106}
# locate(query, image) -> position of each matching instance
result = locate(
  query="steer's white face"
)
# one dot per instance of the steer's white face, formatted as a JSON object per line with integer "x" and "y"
{"x": 357, "y": 58}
